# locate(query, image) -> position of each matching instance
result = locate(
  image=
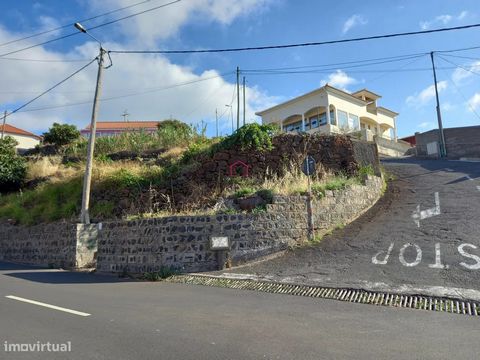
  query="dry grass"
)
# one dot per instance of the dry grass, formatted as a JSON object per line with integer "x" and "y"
{"x": 173, "y": 153}
{"x": 50, "y": 167}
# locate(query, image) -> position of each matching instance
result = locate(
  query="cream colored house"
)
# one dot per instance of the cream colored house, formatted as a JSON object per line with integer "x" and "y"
{"x": 25, "y": 139}
{"x": 347, "y": 113}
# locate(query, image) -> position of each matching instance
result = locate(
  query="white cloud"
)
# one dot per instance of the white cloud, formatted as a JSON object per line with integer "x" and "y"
{"x": 353, "y": 21}
{"x": 474, "y": 102}
{"x": 339, "y": 79}
{"x": 425, "y": 125}
{"x": 166, "y": 22}
{"x": 420, "y": 99}
{"x": 465, "y": 72}
{"x": 143, "y": 74}
{"x": 447, "y": 106}
{"x": 443, "y": 20}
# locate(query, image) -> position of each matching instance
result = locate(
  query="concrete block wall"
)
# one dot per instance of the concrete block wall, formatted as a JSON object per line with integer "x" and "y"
{"x": 460, "y": 142}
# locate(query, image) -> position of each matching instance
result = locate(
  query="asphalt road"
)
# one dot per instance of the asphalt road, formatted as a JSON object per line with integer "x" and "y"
{"x": 138, "y": 320}
{"x": 386, "y": 250}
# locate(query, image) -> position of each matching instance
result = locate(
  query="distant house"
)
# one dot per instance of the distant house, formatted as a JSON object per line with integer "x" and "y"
{"x": 26, "y": 140}
{"x": 112, "y": 128}
{"x": 410, "y": 139}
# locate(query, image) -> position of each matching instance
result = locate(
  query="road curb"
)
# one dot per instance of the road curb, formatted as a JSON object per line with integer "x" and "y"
{"x": 392, "y": 299}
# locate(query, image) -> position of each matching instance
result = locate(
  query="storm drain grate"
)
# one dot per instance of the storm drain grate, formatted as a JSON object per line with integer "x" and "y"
{"x": 450, "y": 305}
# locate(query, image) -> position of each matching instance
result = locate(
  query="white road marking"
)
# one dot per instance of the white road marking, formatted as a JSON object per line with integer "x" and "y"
{"x": 462, "y": 252}
{"x": 417, "y": 259}
{"x": 438, "y": 260}
{"x": 375, "y": 259}
{"x": 425, "y": 214}
{"x": 478, "y": 188}
{"x": 79, "y": 313}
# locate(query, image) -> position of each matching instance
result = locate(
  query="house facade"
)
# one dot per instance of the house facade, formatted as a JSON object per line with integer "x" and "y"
{"x": 112, "y": 128}
{"x": 330, "y": 110}
{"x": 25, "y": 139}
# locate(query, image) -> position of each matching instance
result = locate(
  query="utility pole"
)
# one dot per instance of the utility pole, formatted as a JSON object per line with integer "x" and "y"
{"x": 238, "y": 97}
{"x": 443, "y": 147}
{"x": 4, "y": 121}
{"x": 125, "y": 116}
{"x": 87, "y": 180}
{"x": 216, "y": 121}
{"x": 244, "y": 101}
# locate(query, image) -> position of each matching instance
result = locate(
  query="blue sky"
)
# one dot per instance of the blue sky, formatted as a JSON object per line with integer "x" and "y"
{"x": 406, "y": 86}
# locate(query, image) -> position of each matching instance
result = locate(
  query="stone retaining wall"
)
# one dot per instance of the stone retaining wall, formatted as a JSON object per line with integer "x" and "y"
{"x": 60, "y": 244}
{"x": 183, "y": 242}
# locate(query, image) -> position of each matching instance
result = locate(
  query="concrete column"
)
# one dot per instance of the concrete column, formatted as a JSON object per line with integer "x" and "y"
{"x": 87, "y": 244}
{"x": 328, "y": 111}
{"x": 395, "y": 129}
{"x": 303, "y": 122}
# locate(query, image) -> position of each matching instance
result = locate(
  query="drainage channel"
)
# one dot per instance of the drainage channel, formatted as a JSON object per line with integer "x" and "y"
{"x": 449, "y": 305}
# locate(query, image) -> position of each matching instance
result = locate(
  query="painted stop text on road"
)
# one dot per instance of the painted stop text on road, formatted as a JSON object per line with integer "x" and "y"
{"x": 468, "y": 259}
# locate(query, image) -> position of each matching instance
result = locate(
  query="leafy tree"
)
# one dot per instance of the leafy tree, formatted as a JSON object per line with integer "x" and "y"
{"x": 61, "y": 134}
{"x": 13, "y": 168}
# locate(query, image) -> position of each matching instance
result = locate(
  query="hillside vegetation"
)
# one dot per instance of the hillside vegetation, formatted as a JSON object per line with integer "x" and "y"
{"x": 168, "y": 172}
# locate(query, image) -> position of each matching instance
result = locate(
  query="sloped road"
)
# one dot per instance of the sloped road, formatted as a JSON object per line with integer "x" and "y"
{"x": 387, "y": 250}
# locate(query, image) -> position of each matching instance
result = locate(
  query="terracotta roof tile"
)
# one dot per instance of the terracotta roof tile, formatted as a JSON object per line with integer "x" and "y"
{"x": 9, "y": 129}
{"x": 121, "y": 125}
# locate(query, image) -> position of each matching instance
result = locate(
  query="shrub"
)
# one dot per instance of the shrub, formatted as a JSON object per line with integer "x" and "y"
{"x": 174, "y": 133}
{"x": 164, "y": 273}
{"x": 13, "y": 168}
{"x": 266, "y": 194}
{"x": 245, "y": 191}
{"x": 250, "y": 137}
{"x": 61, "y": 134}
{"x": 195, "y": 151}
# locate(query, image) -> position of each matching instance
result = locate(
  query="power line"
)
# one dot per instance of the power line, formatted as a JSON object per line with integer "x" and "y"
{"x": 92, "y": 28}
{"x": 336, "y": 66}
{"x": 366, "y": 62}
{"x": 45, "y": 60}
{"x": 127, "y": 95}
{"x": 269, "y": 47}
{"x": 328, "y": 71}
{"x": 460, "y": 66}
{"x": 71, "y": 24}
{"x": 461, "y": 94}
{"x": 51, "y": 88}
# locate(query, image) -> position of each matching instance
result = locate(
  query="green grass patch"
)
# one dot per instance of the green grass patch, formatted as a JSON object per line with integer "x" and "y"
{"x": 47, "y": 203}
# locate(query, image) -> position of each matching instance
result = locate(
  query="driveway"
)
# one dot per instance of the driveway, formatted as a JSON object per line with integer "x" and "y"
{"x": 423, "y": 236}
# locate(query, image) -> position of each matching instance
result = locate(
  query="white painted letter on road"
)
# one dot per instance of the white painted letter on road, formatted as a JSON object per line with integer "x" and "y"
{"x": 375, "y": 259}
{"x": 470, "y": 256}
{"x": 401, "y": 256}
{"x": 438, "y": 260}
{"x": 425, "y": 214}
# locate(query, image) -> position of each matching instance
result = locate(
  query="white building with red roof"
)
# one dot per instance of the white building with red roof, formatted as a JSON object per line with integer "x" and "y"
{"x": 25, "y": 139}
